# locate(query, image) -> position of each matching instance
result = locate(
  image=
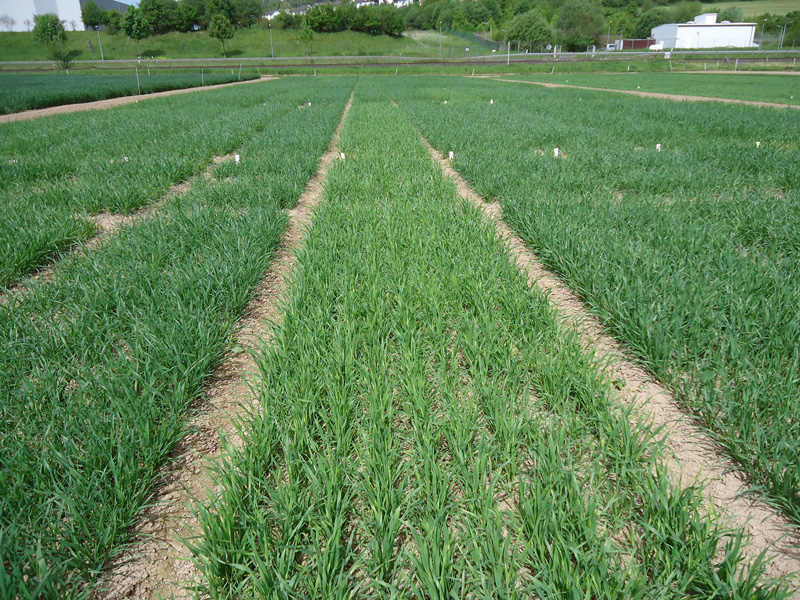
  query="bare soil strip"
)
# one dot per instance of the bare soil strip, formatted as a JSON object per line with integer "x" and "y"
{"x": 156, "y": 564}
{"x": 108, "y": 224}
{"x": 112, "y": 102}
{"x": 675, "y": 97}
{"x": 690, "y": 455}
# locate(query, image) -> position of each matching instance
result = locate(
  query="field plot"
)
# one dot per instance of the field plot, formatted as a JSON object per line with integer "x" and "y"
{"x": 57, "y": 170}
{"x": 427, "y": 428}
{"x": 100, "y": 363}
{"x": 688, "y": 253}
{"x": 780, "y": 89}
{"x": 26, "y": 92}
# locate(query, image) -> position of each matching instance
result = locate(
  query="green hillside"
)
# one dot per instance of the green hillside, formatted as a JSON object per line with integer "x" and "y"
{"x": 246, "y": 43}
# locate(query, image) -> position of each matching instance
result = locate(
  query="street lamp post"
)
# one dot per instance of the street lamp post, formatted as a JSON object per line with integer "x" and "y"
{"x": 608, "y": 34}
{"x": 100, "y": 42}
{"x": 761, "y": 39}
{"x": 440, "y": 39}
{"x": 271, "y": 47}
{"x": 783, "y": 33}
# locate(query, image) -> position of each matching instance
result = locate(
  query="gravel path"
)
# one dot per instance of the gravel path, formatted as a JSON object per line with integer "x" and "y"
{"x": 675, "y": 97}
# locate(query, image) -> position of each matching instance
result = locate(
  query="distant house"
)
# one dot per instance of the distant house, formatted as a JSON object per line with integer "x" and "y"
{"x": 704, "y": 32}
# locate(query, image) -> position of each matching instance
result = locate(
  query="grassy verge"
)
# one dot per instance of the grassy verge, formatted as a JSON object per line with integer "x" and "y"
{"x": 428, "y": 431}
{"x": 26, "y": 92}
{"x": 101, "y": 363}
{"x": 754, "y": 8}
{"x": 246, "y": 43}
{"x": 56, "y": 170}
{"x": 756, "y": 87}
{"x": 687, "y": 254}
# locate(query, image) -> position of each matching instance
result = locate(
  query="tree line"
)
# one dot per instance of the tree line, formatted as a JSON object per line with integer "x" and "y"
{"x": 531, "y": 24}
{"x": 163, "y": 16}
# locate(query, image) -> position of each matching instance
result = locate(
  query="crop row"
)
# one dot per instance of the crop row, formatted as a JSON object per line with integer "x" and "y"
{"x": 429, "y": 430}
{"x": 55, "y": 171}
{"x": 777, "y": 88}
{"x": 25, "y": 92}
{"x": 678, "y": 224}
{"x": 101, "y": 363}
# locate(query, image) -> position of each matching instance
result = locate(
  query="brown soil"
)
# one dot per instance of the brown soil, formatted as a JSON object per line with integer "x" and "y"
{"x": 157, "y": 563}
{"x": 675, "y": 97}
{"x": 108, "y": 224}
{"x": 112, "y": 102}
{"x": 690, "y": 455}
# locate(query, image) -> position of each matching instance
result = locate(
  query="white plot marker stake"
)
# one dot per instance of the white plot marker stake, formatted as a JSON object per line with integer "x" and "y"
{"x": 236, "y": 157}
{"x": 309, "y": 103}
{"x": 491, "y": 101}
{"x": 658, "y": 147}
{"x": 555, "y": 152}
{"x": 450, "y": 156}
{"x": 758, "y": 144}
{"x": 125, "y": 158}
{"x": 341, "y": 156}
{"x": 445, "y": 101}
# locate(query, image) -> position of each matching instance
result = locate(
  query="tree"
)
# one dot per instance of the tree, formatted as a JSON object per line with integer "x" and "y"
{"x": 8, "y": 22}
{"x": 188, "y": 17}
{"x": 247, "y": 12}
{"x": 623, "y": 24}
{"x": 49, "y": 31}
{"x": 306, "y": 35}
{"x": 580, "y": 23}
{"x": 224, "y": 7}
{"x": 220, "y": 27}
{"x": 113, "y": 21}
{"x": 162, "y": 15}
{"x": 531, "y": 29}
{"x": 322, "y": 18}
{"x": 734, "y": 14}
{"x": 686, "y": 11}
{"x": 91, "y": 15}
{"x": 393, "y": 22}
{"x": 28, "y": 24}
{"x": 650, "y": 19}
{"x": 135, "y": 26}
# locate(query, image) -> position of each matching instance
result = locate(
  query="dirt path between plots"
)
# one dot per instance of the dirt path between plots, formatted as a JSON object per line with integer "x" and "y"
{"x": 690, "y": 455}
{"x": 112, "y": 102}
{"x": 156, "y": 564}
{"x": 108, "y": 224}
{"x": 675, "y": 97}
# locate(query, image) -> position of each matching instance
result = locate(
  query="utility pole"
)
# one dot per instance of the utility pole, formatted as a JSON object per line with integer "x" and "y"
{"x": 440, "y": 39}
{"x": 783, "y": 33}
{"x": 100, "y": 42}
{"x": 271, "y": 47}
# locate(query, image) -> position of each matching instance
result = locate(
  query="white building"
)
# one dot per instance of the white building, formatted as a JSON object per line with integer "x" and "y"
{"x": 705, "y": 32}
{"x": 15, "y": 13}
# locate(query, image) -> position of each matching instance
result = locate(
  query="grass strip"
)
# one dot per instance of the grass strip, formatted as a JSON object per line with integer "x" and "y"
{"x": 20, "y": 92}
{"x": 429, "y": 431}
{"x": 687, "y": 254}
{"x": 100, "y": 364}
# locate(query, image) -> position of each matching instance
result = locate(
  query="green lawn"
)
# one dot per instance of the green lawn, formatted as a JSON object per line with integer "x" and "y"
{"x": 246, "y": 43}
{"x": 754, "y": 8}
